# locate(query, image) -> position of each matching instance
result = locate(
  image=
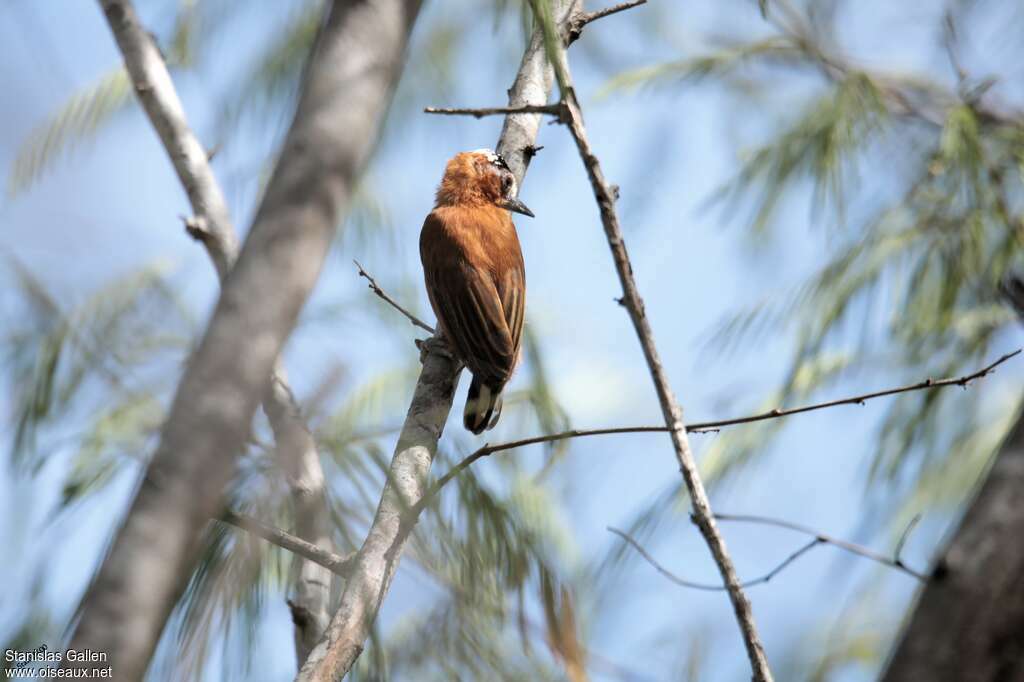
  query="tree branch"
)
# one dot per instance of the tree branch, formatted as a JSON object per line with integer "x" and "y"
{"x": 579, "y": 20}
{"x": 961, "y": 381}
{"x": 378, "y": 558}
{"x": 211, "y": 225}
{"x": 709, "y": 587}
{"x": 818, "y": 538}
{"x": 704, "y": 427}
{"x": 335, "y": 563}
{"x": 551, "y": 109}
{"x": 349, "y": 81}
{"x": 375, "y": 288}
{"x": 605, "y": 196}
{"x": 892, "y": 562}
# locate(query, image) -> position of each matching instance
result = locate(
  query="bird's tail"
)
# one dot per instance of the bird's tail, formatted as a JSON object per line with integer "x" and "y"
{"x": 483, "y": 407}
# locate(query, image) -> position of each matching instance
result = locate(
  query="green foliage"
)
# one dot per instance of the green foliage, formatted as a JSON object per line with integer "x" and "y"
{"x": 77, "y": 121}
{"x": 53, "y": 355}
{"x": 87, "y": 112}
{"x": 921, "y": 184}
{"x": 495, "y": 547}
{"x": 932, "y": 251}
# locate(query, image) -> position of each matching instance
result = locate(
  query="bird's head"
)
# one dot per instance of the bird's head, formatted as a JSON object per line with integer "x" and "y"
{"x": 480, "y": 177}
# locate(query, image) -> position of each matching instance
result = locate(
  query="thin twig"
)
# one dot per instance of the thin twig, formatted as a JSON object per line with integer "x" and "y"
{"x": 962, "y": 381}
{"x": 551, "y": 109}
{"x": 704, "y": 427}
{"x": 579, "y": 21}
{"x": 817, "y": 538}
{"x": 853, "y": 548}
{"x": 381, "y": 550}
{"x": 211, "y": 225}
{"x": 709, "y": 587}
{"x": 605, "y": 195}
{"x": 340, "y": 565}
{"x": 898, "y": 552}
{"x": 392, "y": 302}
{"x": 491, "y": 449}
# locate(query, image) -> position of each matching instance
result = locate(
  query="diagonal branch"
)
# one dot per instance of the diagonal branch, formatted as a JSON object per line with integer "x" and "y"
{"x": 578, "y": 21}
{"x": 349, "y": 81}
{"x": 817, "y": 538}
{"x": 551, "y": 109}
{"x": 211, "y": 225}
{"x": 704, "y": 427}
{"x": 605, "y": 196}
{"x": 335, "y": 563}
{"x": 375, "y": 288}
{"x": 927, "y": 384}
{"x": 696, "y": 427}
{"x": 378, "y": 557}
{"x": 711, "y": 587}
{"x": 892, "y": 562}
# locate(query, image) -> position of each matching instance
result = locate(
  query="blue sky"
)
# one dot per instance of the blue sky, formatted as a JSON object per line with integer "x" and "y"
{"x": 114, "y": 205}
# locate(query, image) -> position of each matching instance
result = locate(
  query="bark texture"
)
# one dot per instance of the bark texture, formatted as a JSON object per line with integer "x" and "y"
{"x": 378, "y": 558}
{"x": 211, "y": 225}
{"x": 349, "y": 82}
{"x": 606, "y": 195}
{"x": 968, "y": 624}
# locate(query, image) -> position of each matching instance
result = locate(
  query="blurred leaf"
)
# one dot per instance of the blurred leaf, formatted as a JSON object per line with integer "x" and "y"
{"x": 561, "y": 627}
{"x": 77, "y": 121}
{"x": 683, "y": 71}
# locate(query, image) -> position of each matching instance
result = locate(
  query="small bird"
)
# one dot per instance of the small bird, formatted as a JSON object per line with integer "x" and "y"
{"x": 475, "y": 276}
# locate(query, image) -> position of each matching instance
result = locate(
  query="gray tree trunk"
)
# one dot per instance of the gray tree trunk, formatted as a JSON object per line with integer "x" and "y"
{"x": 968, "y": 624}
{"x": 351, "y": 76}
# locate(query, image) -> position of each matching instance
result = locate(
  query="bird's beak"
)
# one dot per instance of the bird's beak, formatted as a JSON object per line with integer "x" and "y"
{"x": 516, "y": 206}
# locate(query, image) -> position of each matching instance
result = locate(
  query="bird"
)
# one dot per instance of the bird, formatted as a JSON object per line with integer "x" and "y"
{"x": 475, "y": 276}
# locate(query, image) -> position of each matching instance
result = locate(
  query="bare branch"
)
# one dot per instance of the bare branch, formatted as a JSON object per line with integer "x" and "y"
{"x": 961, "y": 381}
{"x": 340, "y": 565}
{"x": 491, "y": 449}
{"x": 709, "y": 587}
{"x": 349, "y": 81}
{"x": 211, "y": 226}
{"x": 551, "y": 109}
{"x": 704, "y": 427}
{"x": 381, "y": 551}
{"x": 375, "y": 288}
{"x": 818, "y": 538}
{"x": 606, "y": 195}
{"x": 579, "y": 21}
{"x": 154, "y": 88}
{"x": 853, "y": 548}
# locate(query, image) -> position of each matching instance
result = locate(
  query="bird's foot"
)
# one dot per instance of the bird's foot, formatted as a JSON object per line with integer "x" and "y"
{"x": 435, "y": 344}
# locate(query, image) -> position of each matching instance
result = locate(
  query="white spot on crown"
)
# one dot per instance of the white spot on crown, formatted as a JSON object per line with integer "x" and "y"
{"x": 491, "y": 155}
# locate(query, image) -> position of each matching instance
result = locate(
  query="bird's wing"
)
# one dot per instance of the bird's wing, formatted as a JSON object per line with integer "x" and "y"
{"x": 468, "y": 306}
{"x": 512, "y": 292}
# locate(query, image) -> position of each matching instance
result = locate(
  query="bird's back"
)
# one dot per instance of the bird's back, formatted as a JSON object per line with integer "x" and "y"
{"x": 476, "y": 282}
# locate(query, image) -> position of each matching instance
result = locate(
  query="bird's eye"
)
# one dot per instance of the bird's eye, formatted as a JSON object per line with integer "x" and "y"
{"x": 506, "y": 183}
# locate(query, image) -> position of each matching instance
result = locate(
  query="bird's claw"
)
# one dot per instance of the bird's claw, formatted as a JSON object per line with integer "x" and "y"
{"x": 435, "y": 344}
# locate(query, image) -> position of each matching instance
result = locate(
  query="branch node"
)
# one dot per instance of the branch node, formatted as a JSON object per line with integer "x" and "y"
{"x": 375, "y": 288}
{"x": 196, "y": 228}
{"x": 300, "y": 614}
{"x": 575, "y": 24}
